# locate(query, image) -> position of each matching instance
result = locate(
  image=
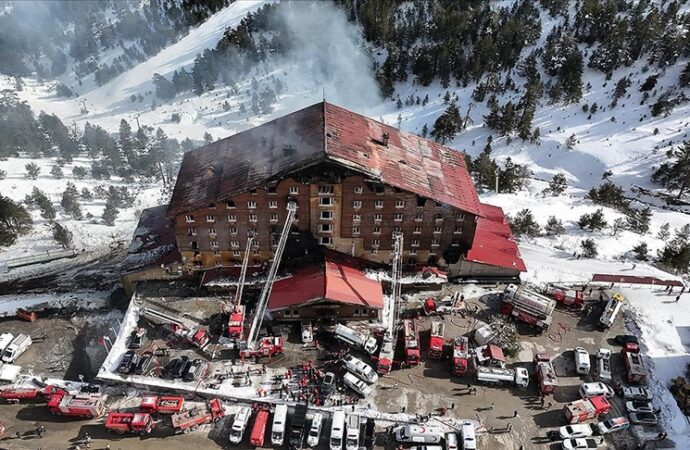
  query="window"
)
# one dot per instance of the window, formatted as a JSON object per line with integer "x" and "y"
{"x": 356, "y": 217}
{"x": 325, "y": 228}
{"x": 230, "y": 204}
{"x": 379, "y": 189}
{"x": 438, "y": 217}
{"x": 417, "y": 230}
{"x": 253, "y": 218}
{"x": 413, "y": 251}
{"x": 273, "y": 204}
{"x": 189, "y": 218}
{"x": 255, "y": 244}
{"x": 236, "y": 253}
{"x": 400, "y": 203}
{"x": 398, "y": 217}
{"x": 256, "y": 251}
{"x": 210, "y": 218}
{"x": 378, "y": 204}
{"x": 232, "y": 217}
{"x": 273, "y": 217}
{"x": 212, "y": 232}
{"x": 419, "y": 217}
{"x": 216, "y": 252}
{"x": 212, "y": 206}
{"x": 377, "y": 230}
{"x": 234, "y": 244}
{"x": 460, "y": 216}
{"x": 435, "y": 243}
{"x": 233, "y": 230}
{"x": 213, "y": 243}
{"x": 397, "y": 230}
{"x": 455, "y": 243}
{"x": 438, "y": 204}
{"x": 357, "y": 204}
{"x": 326, "y": 215}
{"x": 195, "y": 245}
{"x": 359, "y": 189}
{"x": 274, "y": 243}
{"x": 457, "y": 230}
{"x": 325, "y": 240}
{"x": 253, "y": 191}
{"x": 412, "y": 260}
{"x": 254, "y": 232}
{"x": 415, "y": 243}
{"x": 325, "y": 190}
{"x": 191, "y": 231}
{"x": 294, "y": 190}
{"x": 326, "y": 201}
{"x": 421, "y": 201}
{"x": 272, "y": 190}
{"x": 355, "y": 230}
{"x": 251, "y": 204}
{"x": 375, "y": 251}
{"x": 437, "y": 229}
{"x": 378, "y": 217}
{"x": 375, "y": 243}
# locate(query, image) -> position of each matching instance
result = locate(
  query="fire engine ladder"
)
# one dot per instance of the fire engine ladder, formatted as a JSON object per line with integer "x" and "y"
{"x": 165, "y": 318}
{"x": 391, "y": 311}
{"x": 243, "y": 273}
{"x": 272, "y": 272}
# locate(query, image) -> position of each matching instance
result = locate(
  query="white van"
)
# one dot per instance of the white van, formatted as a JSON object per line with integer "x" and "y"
{"x": 582, "y": 365}
{"x": 18, "y": 346}
{"x": 240, "y": 424}
{"x": 337, "y": 430}
{"x": 360, "y": 368}
{"x": 352, "y": 436}
{"x": 452, "y": 441}
{"x": 604, "y": 364}
{"x": 315, "y": 430}
{"x": 418, "y": 434}
{"x": 613, "y": 307}
{"x": 469, "y": 440}
{"x": 5, "y": 339}
{"x": 278, "y": 429}
{"x": 360, "y": 340}
{"x": 357, "y": 385}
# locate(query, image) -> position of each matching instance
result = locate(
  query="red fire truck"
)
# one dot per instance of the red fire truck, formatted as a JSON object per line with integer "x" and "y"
{"x": 191, "y": 419}
{"x": 586, "y": 409}
{"x": 460, "y": 355}
{"x": 565, "y": 296}
{"x": 259, "y": 429}
{"x": 546, "y": 375}
{"x": 163, "y": 405}
{"x": 236, "y": 323}
{"x": 411, "y": 336}
{"x": 437, "y": 340}
{"x": 135, "y": 423}
{"x": 14, "y": 395}
{"x": 635, "y": 371}
{"x": 64, "y": 404}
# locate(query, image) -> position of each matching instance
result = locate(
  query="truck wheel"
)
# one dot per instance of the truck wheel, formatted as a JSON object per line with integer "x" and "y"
{"x": 186, "y": 430}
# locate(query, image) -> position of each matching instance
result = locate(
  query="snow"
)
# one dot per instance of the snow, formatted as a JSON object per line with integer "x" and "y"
{"x": 88, "y": 300}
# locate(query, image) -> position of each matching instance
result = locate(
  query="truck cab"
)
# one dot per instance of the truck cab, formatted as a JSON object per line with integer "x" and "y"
{"x": 278, "y": 428}
{"x": 352, "y": 436}
{"x": 337, "y": 430}
{"x": 240, "y": 424}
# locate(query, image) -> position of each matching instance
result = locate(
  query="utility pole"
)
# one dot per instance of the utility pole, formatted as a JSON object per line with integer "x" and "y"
{"x": 497, "y": 172}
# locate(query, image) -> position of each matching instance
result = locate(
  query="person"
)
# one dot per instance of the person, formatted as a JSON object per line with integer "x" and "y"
{"x": 515, "y": 414}
{"x": 677, "y": 298}
{"x": 510, "y": 427}
{"x": 543, "y": 400}
{"x": 403, "y": 410}
{"x": 452, "y": 405}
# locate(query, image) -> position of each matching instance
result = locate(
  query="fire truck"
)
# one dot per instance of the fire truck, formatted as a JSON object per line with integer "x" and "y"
{"x": 162, "y": 405}
{"x": 528, "y": 306}
{"x": 14, "y": 395}
{"x": 198, "y": 337}
{"x": 460, "y": 355}
{"x": 586, "y": 409}
{"x": 236, "y": 319}
{"x": 391, "y": 312}
{"x": 191, "y": 419}
{"x": 135, "y": 423}
{"x": 63, "y": 404}
{"x": 546, "y": 375}
{"x": 635, "y": 371}
{"x": 411, "y": 336}
{"x": 565, "y": 296}
{"x": 437, "y": 340}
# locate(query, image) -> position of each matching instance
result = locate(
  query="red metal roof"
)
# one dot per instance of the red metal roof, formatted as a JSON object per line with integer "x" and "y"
{"x": 607, "y": 278}
{"x": 493, "y": 241}
{"x": 494, "y": 352}
{"x": 320, "y": 133}
{"x": 335, "y": 281}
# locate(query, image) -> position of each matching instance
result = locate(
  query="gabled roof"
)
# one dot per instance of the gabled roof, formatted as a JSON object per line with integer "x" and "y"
{"x": 320, "y": 133}
{"x": 493, "y": 242}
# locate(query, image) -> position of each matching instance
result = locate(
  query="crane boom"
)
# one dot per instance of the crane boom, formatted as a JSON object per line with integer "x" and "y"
{"x": 391, "y": 313}
{"x": 243, "y": 273}
{"x": 272, "y": 272}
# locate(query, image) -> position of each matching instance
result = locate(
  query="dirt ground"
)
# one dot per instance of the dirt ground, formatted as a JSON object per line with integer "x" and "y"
{"x": 71, "y": 348}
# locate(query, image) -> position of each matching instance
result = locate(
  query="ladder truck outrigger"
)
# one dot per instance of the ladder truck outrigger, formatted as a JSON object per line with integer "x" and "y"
{"x": 390, "y": 311}
{"x": 236, "y": 320}
{"x": 269, "y": 345}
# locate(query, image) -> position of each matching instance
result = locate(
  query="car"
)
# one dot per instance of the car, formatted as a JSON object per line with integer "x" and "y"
{"x": 611, "y": 425}
{"x": 582, "y": 365}
{"x": 639, "y": 406}
{"x": 357, "y": 385}
{"x": 582, "y": 443}
{"x": 307, "y": 333}
{"x": 636, "y": 393}
{"x": 360, "y": 369}
{"x": 144, "y": 363}
{"x": 328, "y": 383}
{"x": 578, "y": 430}
{"x": 191, "y": 372}
{"x": 643, "y": 418}
{"x": 90, "y": 389}
{"x": 588, "y": 390}
{"x": 180, "y": 367}
{"x": 136, "y": 339}
{"x": 623, "y": 339}
{"x": 128, "y": 362}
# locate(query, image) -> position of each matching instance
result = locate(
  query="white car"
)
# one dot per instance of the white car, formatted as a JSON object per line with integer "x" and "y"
{"x": 639, "y": 406}
{"x": 611, "y": 425}
{"x": 357, "y": 385}
{"x": 588, "y": 390}
{"x": 360, "y": 368}
{"x": 307, "y": 333}
{"x": 636, "y": 393}
{"x": 582, "y": 443}
{"x": 315, "y": 430}
{"x": 578, "y": 430}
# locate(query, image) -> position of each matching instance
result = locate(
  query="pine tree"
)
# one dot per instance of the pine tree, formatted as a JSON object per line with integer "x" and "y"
{"x": 57, "y": 172}
{"x": 676, "y": 253}
{"x": 15, "y": 221}
{"x": 571, "y": 141}
{"x": 208, "y": 138}
{"x": 493, "y": 119}
{"x": 638, "y": 220}
{"x": 589, "y": 248}
{"x": 62, "y": 235}
{"x": 448, "y": 124}
{"x": 674, "y": 174}
{"x": 621, "y": 88}
{"x": 40, "y": 199}
{"x": 684, "y": 80}
{"x": 554, "y": 226}
{"x": 425, "y": 131}
{"x": 664, "y": 232}
{"x": 32, "y": 170}
{"x": 557, "y": 185}
{"x": 70, "y": 202}
{"x": 524, "y": 224}
{"x": 79, "y": 172}
{"x": 110, "y": 213}
{"x": 641, "y": 251}
{"x": 592, "y": 222}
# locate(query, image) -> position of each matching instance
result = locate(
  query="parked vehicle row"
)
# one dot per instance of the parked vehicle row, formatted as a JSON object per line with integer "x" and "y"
{"x": 11, "y": 347}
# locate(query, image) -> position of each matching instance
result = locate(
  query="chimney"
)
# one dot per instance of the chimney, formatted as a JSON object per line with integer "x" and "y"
{"x": 386, "y": 137}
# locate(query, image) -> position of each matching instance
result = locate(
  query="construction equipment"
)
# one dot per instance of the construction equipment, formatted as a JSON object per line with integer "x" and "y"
{"x": 390, "y": 310}
{"x": 161, "y": 405}
{"x": 273, "y": 345}
{"x": 191, "y": 419}
{"x": 437, "y": 340}
{"x": 135, "y": 423}
{"x": 586, "y": 409}
{"x": 460, "y": 355}
{"x": 88, "y": 406}
{"x": 564, "y": 295}
{"x": 236, "y": 320}
{"x": 528, "y": 306}
{"x": 497, "y": 375}
{"x": 183, "y": 328}
{"x": 546, "y": 375}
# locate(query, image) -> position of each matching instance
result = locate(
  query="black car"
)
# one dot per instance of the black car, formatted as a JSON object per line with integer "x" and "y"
{"x": 136, "y": 339}
{"x": 369, "y": 436}
{"x": 328, "y": 383}
{"x": 192, "y": 370}
{"x": 178, "y": 369}
{"x": 129, "y": 360}
{"x": 623, "y": 339}
{"x": 144, "y": 363}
